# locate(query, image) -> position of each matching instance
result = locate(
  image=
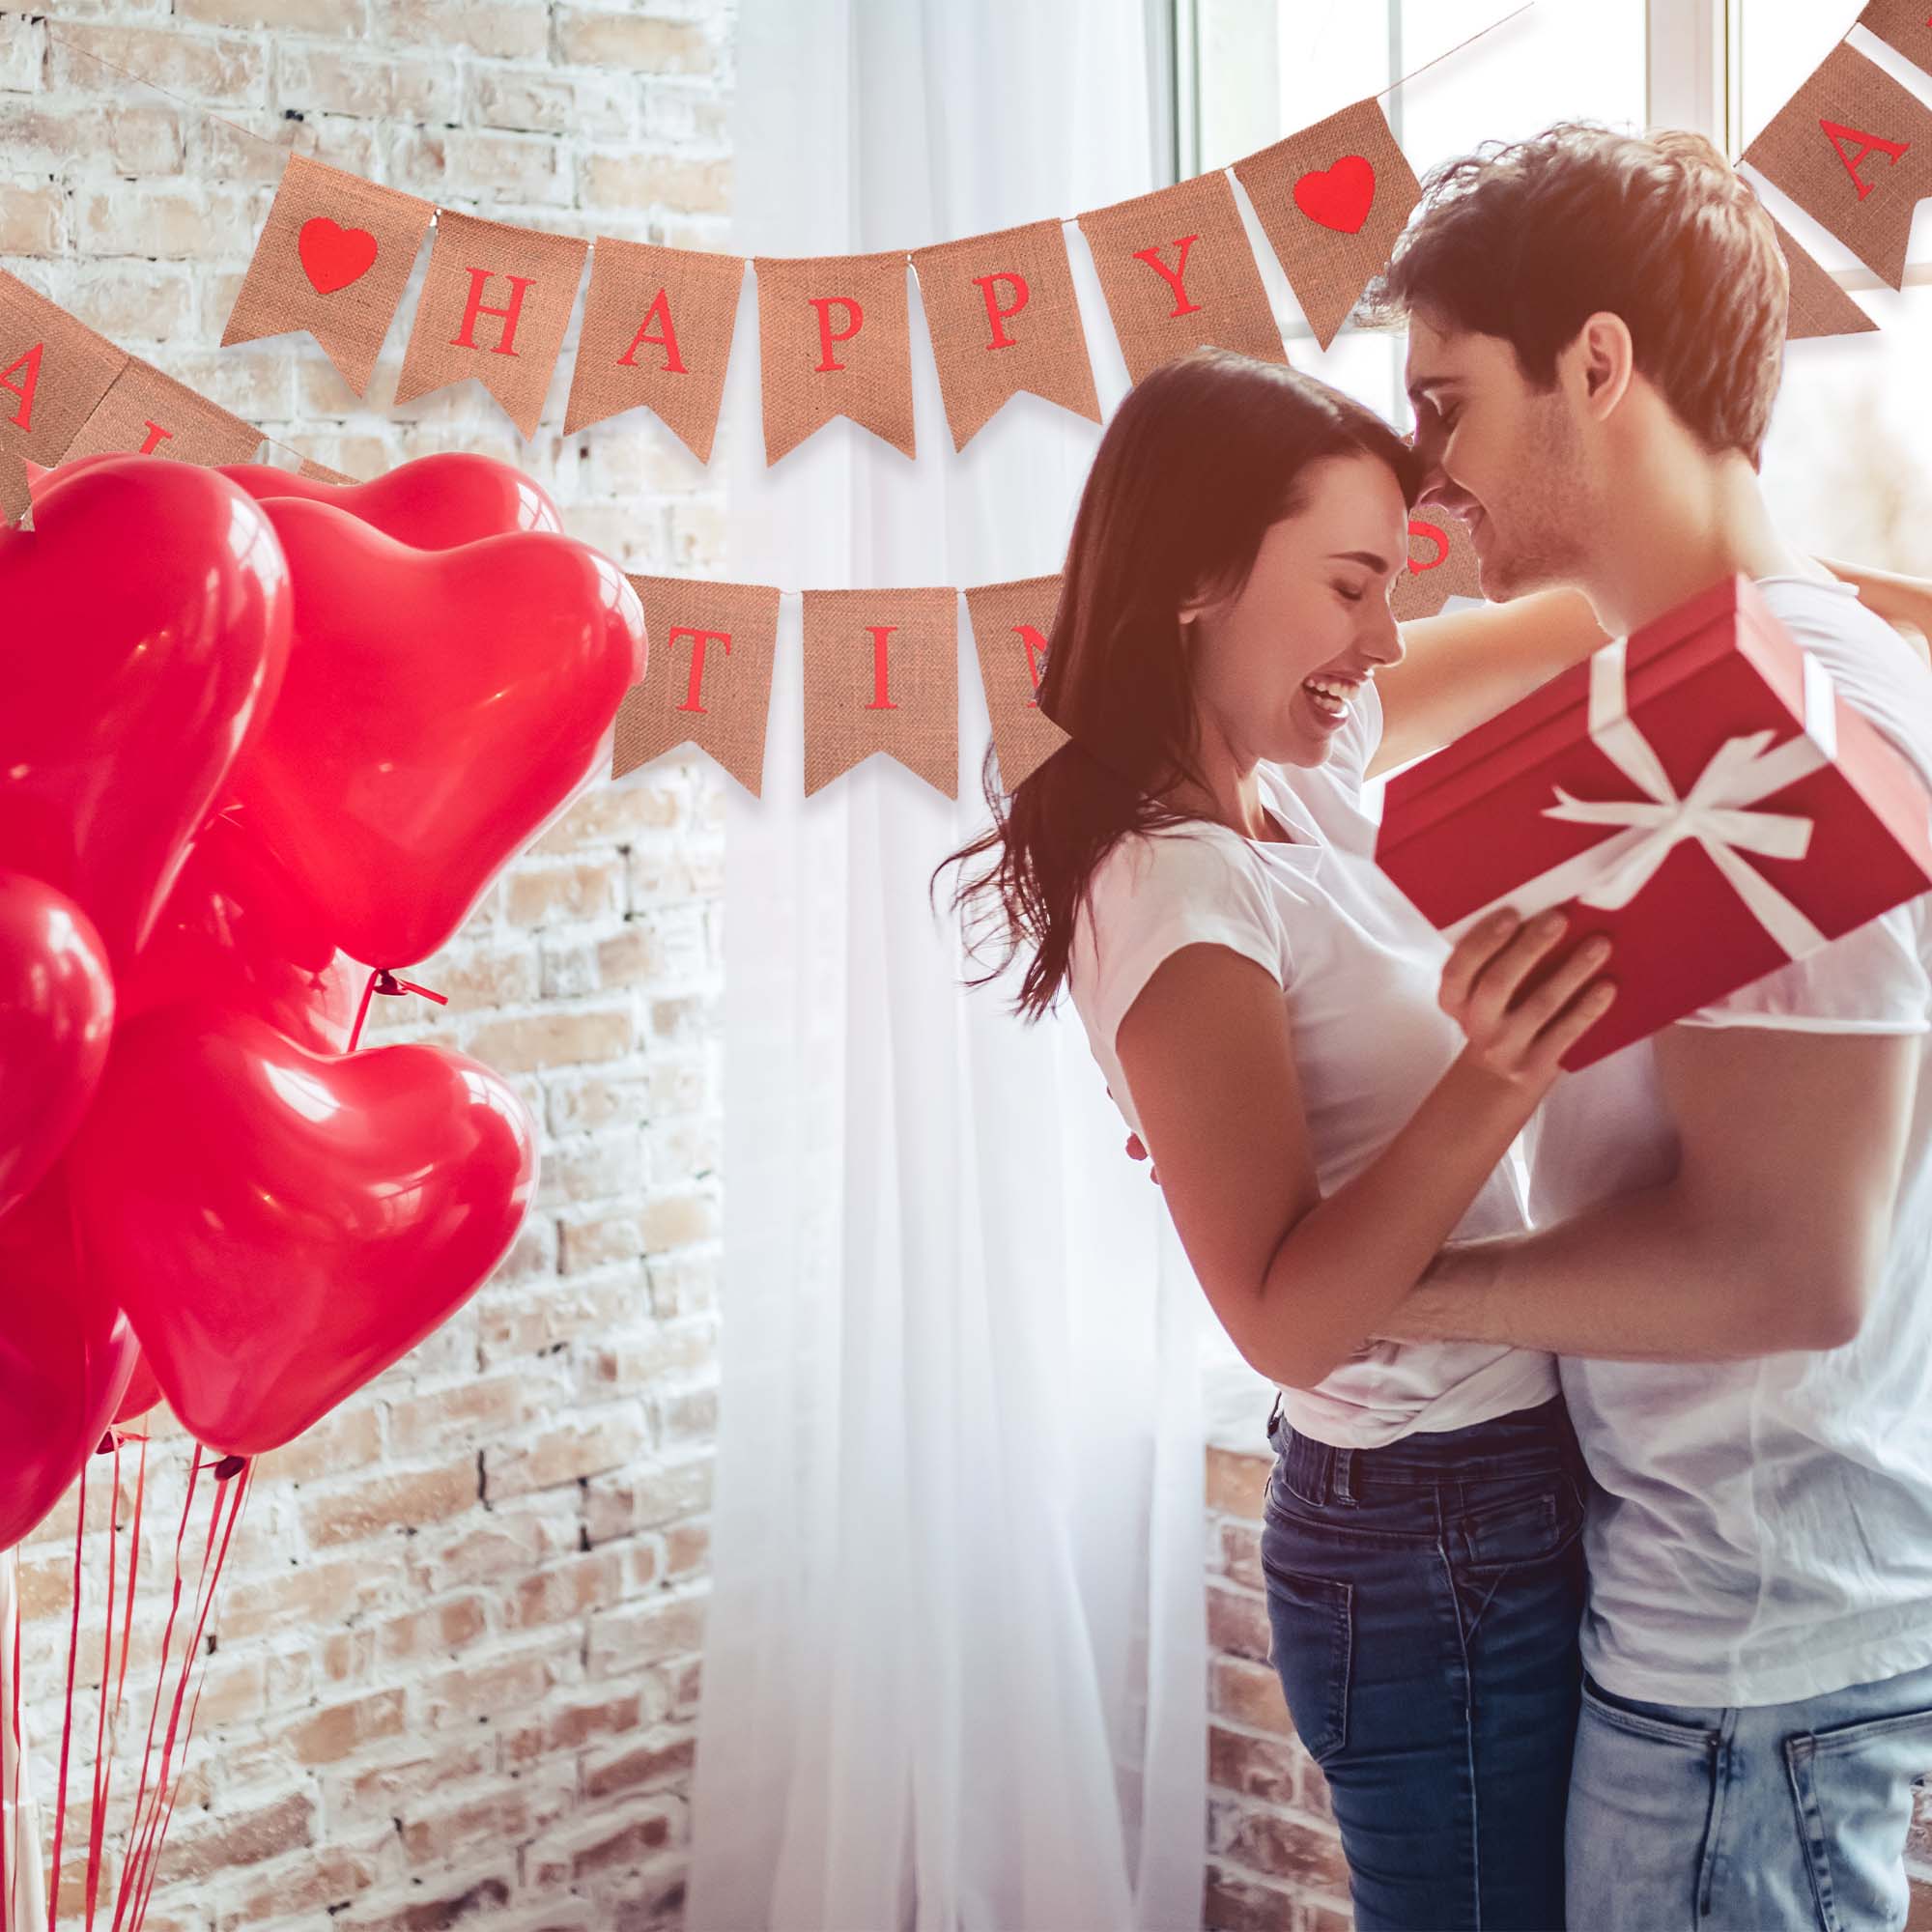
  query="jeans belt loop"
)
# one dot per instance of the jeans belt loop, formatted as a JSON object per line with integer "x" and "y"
{"x": 1344, "y": 1468}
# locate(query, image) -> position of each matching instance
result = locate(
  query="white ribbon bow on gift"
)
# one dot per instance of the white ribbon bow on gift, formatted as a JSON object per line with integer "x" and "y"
{"x": 1718, "y": 812}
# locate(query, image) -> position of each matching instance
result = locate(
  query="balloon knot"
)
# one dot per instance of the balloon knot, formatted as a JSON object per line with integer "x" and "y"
{"x": 228, "y": 1468}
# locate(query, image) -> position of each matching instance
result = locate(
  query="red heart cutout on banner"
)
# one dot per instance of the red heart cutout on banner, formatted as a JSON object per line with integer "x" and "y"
{"x": 282, "y": 1224}
{"x": 1339, "y": 197}
{"x": 441, "y": 708}
{"x": 56, "y": 1018}
{"x": 333, "y": 256}
{"x": 144, "y": 637}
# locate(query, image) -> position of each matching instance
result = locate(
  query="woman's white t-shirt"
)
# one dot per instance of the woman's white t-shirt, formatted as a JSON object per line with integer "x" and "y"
{"x": 1361, "y": 969}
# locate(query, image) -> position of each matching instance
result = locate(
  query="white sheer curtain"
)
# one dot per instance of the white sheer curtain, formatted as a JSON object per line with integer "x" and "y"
{"x": 954, "y": 1669}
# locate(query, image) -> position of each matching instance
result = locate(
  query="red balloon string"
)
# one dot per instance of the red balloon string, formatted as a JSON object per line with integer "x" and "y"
{"x": 67, "y": 1719}
{"x": 383, "y": 980}
{"x": 133, "y": 1559}
{"x": 10, "y": 1874}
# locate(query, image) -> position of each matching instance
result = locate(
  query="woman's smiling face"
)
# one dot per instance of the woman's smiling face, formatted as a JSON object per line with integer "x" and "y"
{"x": 1315, "y": 607}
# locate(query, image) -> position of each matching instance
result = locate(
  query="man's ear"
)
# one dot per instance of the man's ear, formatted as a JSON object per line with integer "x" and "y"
{"x": 1607, "y": 359}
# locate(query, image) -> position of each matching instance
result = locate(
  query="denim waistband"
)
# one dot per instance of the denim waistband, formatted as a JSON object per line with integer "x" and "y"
{"x": 1524, "y": 1442}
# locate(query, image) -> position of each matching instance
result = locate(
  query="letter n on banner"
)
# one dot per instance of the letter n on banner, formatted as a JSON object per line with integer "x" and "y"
{"x": 1177, "y": 272}
{"x": 707, "y": 676}
{"x": 882, "y": 674}
{"x": 1853, "y": 150}
{"x": 495, "y": 302}
{"x": 53, "y": 373}
{"x": 147, "y": 413}
{"x": 1011, "y": 625}
{"x": 657, "y": 330}
{"x": 1442, "y": 564}
{"x": 1003, "y": 317}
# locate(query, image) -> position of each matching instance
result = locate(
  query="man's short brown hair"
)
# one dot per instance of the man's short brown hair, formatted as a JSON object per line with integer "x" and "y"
{"x": 1526, "y": 241}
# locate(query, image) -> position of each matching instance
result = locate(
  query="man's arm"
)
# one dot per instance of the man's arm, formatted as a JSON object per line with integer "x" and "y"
{"x": 1768, "y": 1238}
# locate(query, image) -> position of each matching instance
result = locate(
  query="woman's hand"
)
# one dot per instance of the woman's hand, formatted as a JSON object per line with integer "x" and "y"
{"x": 1518, "y": 1035}
{"x": 1903, "y": 600}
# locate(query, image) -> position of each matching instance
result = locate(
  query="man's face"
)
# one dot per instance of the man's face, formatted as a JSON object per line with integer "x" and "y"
{"x": 1509, "y": 459}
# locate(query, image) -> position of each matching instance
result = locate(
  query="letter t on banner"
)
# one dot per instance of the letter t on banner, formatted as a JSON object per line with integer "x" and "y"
{"x": 882, "y": 674}
{"x": 496, "y": 303}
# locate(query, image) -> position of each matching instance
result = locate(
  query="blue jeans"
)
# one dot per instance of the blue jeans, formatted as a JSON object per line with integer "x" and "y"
{"x": 1728, "y": 1819}
{"x": 1424, "y": 1599}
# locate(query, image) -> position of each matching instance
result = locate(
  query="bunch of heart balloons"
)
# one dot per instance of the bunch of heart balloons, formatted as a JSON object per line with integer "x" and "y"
{"x": 259, "y": 737}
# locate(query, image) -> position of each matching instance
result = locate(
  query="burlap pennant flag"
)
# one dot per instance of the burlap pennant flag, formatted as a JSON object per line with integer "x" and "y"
{"x": 1853, "y": 150}
{"x": 882, "y": 674}
{"x": 1332, "y": 200}
{"x": 333, "y": 257}
{"x": 1003, "y": 318}
{"x": 707, "y": 676}
{"x": 657, "y": 330}
{"x": 1904, "y": 24}
{"x": 1012, "y": 623}
{"x": 321, "y": 473}
{"x": 150, "y": 415}
{"x": 1442, "y": 564}
{"x": 833, "y": 340}
{"x": 1819, "y": 307}
{"x": 1177, "y": 270}
{"x": 496, "y": 303}
{"x": 53, "y": 373}
{"x": 16, "y": 498}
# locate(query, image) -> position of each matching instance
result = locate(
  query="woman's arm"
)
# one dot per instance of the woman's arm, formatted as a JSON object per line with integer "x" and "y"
{"x": 1300, "y": 1280}
{"x": 1463, "y": 666}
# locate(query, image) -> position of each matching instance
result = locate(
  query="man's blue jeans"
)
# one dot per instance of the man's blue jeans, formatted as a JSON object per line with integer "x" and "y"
{"x": 1730, "y": 1820}
{"x": 1424, "y": 1599}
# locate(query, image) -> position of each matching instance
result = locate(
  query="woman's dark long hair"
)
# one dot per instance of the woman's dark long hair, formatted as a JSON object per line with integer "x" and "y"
{"x": 1202, "y": 455}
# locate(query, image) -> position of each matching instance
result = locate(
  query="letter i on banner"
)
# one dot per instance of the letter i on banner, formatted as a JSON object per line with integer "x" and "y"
{"x": 1011, "y": 625}
{"x": 333, "y": 257}
{"x": 1003, "y": 317}
{"x": 1177, "y": 272}
{"x": 882, "y": 674}
{"x": 496, "y": 303}
{"x": 1332, "y": 200}
{"x": 1853, "y": 150}
{"x": 147, "y": 413}
{"x": 54, "y": 372}
{"x": 833, "y": 340}
{"x": 657, "y": 330}
{"x": 708, "y": 676}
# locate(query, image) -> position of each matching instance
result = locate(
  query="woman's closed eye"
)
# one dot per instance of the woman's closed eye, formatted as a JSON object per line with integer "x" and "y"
{"x": 1354, "y": 596}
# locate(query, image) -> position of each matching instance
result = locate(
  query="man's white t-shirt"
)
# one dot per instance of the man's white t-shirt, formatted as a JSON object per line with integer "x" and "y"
{"x": 1361, "y": 969}
{"x": 1765, "y": 1527}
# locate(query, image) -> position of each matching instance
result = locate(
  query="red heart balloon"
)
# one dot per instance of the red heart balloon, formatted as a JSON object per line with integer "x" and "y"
{"x": 147, "y": 633}
{"x": 56, "y": 1018}
{"x": 65, "y": 1356}
{"x": 1339, "y": 197}
{"x": 441, "y": 709}
{"x": 282, "y": 1225}
{"x": 333, "y": 256}
{"x": 237, "y": 929}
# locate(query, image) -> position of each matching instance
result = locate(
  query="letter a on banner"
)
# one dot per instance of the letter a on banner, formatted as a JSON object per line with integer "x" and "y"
{"x": 54, "y": 370}
{"x": 496, "y": 303}
{"x": 1853, "y": 150}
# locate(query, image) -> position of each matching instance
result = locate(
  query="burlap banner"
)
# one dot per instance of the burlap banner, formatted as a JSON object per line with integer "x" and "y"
{"x": 54, "y": 370}
{"x": 15, "y": 497}
{"x": 333, "y": 258}
{"x": 658, "y": 325}
{"x": 495, "y": 304}
{"x": 1177, "y": 273}
{"x": 1003, "y": 317}
{"x": 1904, "y": 24}
{"x": 1442, "y": 564}
{"x": 1853, "y": 150}
{"x": 321, "y": 473}
{"x": 1012, "y": 623}
{"x": 146, "y": 412}
{"x": 707, "y": 679}
{"x": 833, "y": 340}
{"x": 1819, "y": 307}
{"x": 1332, "y": 200}
{"x": 882, "y": 674}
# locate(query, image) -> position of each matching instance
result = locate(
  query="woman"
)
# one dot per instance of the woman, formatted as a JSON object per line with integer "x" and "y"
{"x": 1269, "y": 1012}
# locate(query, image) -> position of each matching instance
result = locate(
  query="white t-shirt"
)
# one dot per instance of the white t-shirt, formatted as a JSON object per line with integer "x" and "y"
{"x": 1359, "y": 968}
{"x": 1765, "y": 1531}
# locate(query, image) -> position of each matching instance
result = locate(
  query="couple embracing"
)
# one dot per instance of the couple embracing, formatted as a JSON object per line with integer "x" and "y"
{"x": 1597, "y": 1546}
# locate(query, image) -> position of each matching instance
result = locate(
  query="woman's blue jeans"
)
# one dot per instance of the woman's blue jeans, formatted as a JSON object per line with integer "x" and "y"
{"x": 1424, "y": 1599}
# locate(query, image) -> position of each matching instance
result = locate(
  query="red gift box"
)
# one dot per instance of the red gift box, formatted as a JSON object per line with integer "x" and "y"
{"x": 1696, "y": 791}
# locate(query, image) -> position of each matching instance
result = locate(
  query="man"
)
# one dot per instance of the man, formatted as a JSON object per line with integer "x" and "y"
{"x": 1733, "y": 1218}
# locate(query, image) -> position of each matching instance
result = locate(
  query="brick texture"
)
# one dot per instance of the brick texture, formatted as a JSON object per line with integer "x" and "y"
{"x": 453, "y": 1676}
